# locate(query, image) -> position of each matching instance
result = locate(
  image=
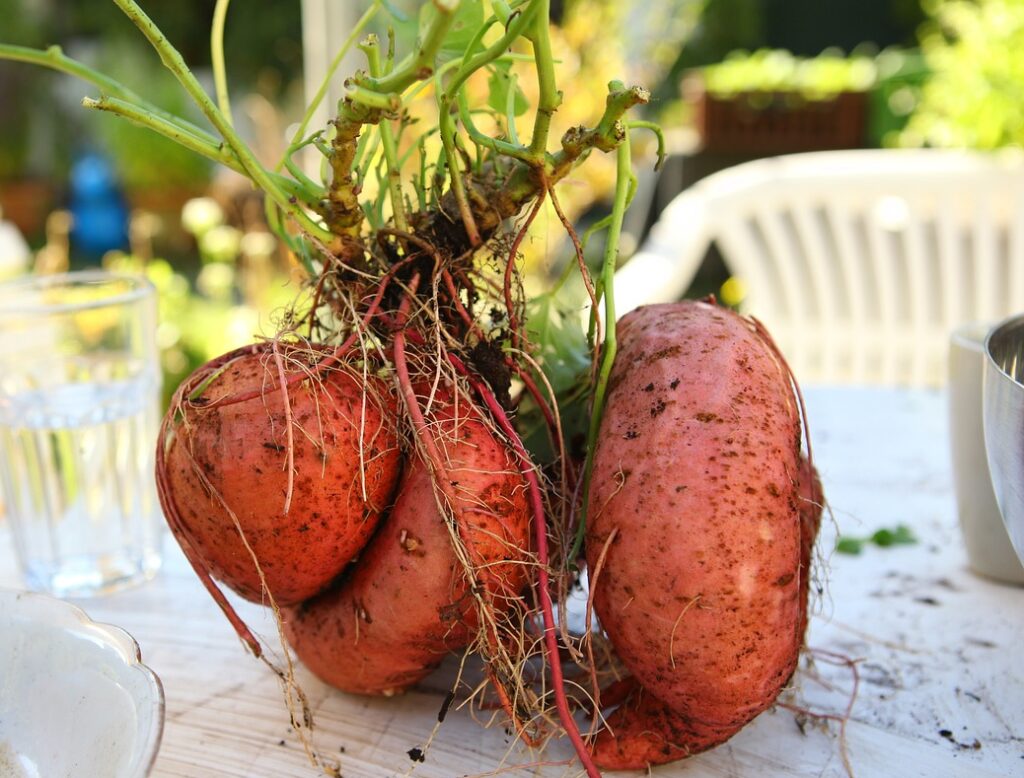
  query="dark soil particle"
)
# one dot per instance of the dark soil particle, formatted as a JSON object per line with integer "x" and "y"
{"x": 416, "y": 755}
{"x": 441, "y": 714}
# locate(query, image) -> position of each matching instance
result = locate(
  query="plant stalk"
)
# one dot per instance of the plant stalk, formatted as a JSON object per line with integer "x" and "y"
{"x": 550, "y": 98}
{"x": 623, "y": 174}
{"x": 199, "y": 142}
{"x": 371, "y": 47}
{"x": 174, "y": 62}
{"x": 220, "y": 79}
{"x": 321, "y": 91}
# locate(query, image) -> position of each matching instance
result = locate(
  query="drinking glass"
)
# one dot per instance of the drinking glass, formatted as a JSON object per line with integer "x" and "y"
{"x": 79, "y": 413}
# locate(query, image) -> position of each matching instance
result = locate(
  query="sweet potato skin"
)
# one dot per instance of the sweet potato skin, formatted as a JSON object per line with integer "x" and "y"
{"x": 643, "y": 730}
{"x": 229, "y": 461}
{"x": 407, "y": 603}
{"x": 696, "y": 471}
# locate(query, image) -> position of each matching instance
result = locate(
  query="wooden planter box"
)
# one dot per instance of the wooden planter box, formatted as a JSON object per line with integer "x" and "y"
{"x": 780, "y": 122}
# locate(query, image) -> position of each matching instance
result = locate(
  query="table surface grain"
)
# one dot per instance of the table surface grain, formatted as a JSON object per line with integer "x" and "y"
{"x": 937, "y": 649}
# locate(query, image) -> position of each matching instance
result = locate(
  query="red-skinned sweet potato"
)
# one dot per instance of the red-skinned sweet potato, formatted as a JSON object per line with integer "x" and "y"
{"x": 407, "y": 603}
{"x": 225, "y": 460}
{"x": 697, "y": 472}
{"x": 648, "y": 731}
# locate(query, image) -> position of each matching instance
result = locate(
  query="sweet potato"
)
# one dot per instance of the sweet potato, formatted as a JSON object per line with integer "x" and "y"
{"x": 646, "y": 730}
{"x": 407, "y": 603}
{"x": 225, "y": 470}
{"x": 696, "y": 472}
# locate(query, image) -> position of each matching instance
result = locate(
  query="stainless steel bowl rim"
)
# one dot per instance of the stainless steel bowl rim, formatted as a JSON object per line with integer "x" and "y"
{"x": 995, "y": 335}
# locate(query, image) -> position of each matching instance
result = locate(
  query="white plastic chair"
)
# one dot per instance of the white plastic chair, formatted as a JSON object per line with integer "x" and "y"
{"x": 860, "y": 262}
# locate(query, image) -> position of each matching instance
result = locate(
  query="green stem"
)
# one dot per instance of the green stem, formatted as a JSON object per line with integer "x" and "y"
{"x": 479, "y": 138}
{"x": 623, "y": 173}
{"x": 390, "y": 103}
{"x": 606, "y": 136}
{"x": 603, "y": 223}
{"x": 203, "y": 144}
{"x": 421, "y": 65}
{"x": 321, "y": 91}
{"x": 297, "y": 172}
{"x": 122, "y": 101}
{"x": 199, "y": 142}
{"x": 638, "y": 124}
{"x": 174, "y": 62}
{"x": 55, "y": 59}
{"x": 549, "y": 96}
{"x": 510, "y": 109}
{"x": 446, "y": 124}
{"x": 498, "y": 49}
{"x": 345, "y": 214}
{"x": 220, "y": 79}
{"x": 371, "y": 47}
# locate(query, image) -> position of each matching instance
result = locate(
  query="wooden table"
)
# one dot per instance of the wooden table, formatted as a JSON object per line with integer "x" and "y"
{"x": 937, "y": 649}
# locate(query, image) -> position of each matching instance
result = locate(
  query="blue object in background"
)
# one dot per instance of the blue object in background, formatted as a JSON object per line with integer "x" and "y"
{"x": 98, "y": 207}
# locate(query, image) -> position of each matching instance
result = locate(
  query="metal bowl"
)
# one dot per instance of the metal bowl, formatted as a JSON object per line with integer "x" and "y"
{"x": 1004, "y": 423}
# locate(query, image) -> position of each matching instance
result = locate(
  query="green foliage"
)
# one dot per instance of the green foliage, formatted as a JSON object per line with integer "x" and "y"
{"x": 902, "y": 74}
{"x": 556, "y": 329}
{"x": 262, "y": 40}
{"x": 975, "y": 98}
{"x": 467, "y": 21}
{"x": 901, "y": 535}
{"x": 768, "y": 70}
{"x": 501, "y": 83}
{"x": 20, "y": 108}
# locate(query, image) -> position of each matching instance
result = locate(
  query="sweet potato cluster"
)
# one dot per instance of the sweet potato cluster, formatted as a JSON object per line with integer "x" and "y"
{"x": 296, "y": 478}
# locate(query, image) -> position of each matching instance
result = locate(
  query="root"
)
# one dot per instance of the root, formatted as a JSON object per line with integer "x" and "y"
{"x": 581, "y": 263}
{"x": 528, "y": 471}
{"x": 290, "y": 452}
{"x": 514, "y": 324}
{"x": 447, "y": 499}
{"x": 839, "y": 660}
{"x": 198, "y": 565}
{"x": 589, "y": 635}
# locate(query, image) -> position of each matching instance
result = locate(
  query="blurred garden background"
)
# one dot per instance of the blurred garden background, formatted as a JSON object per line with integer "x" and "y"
{"x": 732, "y": 80}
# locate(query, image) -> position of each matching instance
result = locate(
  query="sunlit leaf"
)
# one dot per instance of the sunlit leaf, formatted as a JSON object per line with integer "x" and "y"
{"x": 468, "y": 19}
{"x": 499, "y": 84}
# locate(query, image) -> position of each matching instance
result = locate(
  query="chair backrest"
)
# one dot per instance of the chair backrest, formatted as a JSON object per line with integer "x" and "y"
{"x": 860, "y": 262}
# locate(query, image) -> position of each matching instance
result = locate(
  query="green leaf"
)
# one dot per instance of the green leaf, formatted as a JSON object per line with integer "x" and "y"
{"x": 883, "y": 538}
{"x": 564, "y": 357}
{"x": 849, "y": 545}
{"x": 468, "y": 19}
{"x": 561, "y": 342}
{"x": 901, "y": 536}
{"x": 499, "y": 84}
